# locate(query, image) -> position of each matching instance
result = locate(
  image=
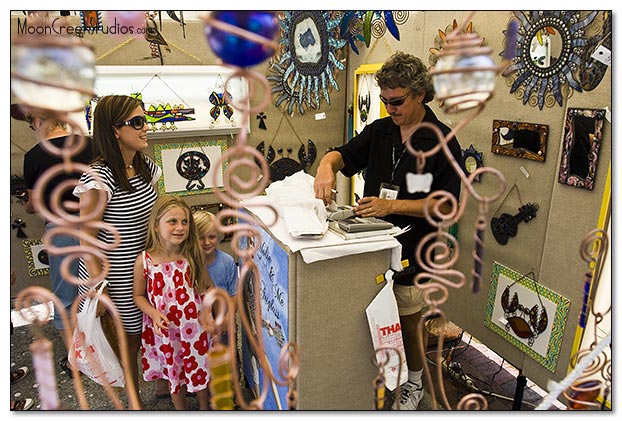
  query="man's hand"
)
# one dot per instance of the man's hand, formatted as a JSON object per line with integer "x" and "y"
{"x": 325, "y": 178}
{"x": 373, "y": 206}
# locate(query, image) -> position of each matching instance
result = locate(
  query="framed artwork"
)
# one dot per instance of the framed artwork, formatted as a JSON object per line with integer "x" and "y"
{"x": 36, "y": 257}
{"x": 527, "y": 314}
{"x": 367, "y": 108}
{"x": 188, "y": 168}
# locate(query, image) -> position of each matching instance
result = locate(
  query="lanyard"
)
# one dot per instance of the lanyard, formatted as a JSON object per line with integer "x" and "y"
{"x": 396, "y": 164}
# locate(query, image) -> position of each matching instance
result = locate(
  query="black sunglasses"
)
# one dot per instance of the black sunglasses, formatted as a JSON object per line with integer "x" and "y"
{"x": 396, "y": 102}
{"x": 135, "y": 122}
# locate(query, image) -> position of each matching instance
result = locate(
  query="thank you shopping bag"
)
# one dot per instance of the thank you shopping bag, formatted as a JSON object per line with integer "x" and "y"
{"x": 386, "y": 331}
{"x": 90, "y": 352}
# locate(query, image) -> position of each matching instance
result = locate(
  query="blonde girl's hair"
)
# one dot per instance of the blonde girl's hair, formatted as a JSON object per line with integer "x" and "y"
{"x": 190, "y": 248}
{"x": 205, "y": 222}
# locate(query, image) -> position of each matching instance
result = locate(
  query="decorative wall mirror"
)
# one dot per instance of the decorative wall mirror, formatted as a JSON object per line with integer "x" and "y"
{"x": 549, "y": 47}
{"x": 471, "y": 160}
{"x": 582, "y": 137}
{"x": 522, "y": 140}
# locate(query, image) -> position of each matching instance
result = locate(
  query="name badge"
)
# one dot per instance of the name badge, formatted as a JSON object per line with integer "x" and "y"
{"x": 388, "y": 191}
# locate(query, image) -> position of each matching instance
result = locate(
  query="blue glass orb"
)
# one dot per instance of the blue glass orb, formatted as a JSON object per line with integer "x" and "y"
{"x": 238, "y": 51}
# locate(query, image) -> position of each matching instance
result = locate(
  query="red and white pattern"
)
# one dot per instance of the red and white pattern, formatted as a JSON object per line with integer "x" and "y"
{"x": 180, "y": 354}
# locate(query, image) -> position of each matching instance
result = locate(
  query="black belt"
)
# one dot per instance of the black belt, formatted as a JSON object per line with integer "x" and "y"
{"x": 405, "y": 277}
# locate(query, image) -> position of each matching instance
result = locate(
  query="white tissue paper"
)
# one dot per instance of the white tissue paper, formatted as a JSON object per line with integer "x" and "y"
{"x": 303, "y": 214}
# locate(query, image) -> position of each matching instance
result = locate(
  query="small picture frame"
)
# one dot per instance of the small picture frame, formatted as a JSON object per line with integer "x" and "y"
{"x": 36, "y": 257}
{"x": 188, "y": 168}
{"x": 527, "y": 314}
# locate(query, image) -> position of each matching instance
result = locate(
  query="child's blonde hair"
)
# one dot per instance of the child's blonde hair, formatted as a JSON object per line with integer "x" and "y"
{"x": 190, "y": 248}
{"x": 205, "y": 222}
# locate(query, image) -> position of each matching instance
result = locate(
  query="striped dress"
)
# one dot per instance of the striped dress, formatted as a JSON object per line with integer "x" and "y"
{"x": 129, "y": 213}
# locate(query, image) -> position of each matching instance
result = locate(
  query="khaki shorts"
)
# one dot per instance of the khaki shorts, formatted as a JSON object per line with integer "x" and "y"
{"x": 409, "y": 299}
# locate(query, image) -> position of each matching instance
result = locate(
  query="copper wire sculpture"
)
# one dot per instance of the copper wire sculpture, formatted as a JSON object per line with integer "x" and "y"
{"x": 585, "y": 390}
{"x": 67, "y": 223}
{"x": 247, "y": 160}
{"x": 438, "y": 251}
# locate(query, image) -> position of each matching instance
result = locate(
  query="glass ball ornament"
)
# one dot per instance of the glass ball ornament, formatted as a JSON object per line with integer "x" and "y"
{"x": 464, "y": 81}
{"x": 238, "y": 50}
{"x": 53, "y": 75}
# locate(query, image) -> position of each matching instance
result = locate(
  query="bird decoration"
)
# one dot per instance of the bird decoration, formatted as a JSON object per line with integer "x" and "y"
{"x": 155, "y": 38}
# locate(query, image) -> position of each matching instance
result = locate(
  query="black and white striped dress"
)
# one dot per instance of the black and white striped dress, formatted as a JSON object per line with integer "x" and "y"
{"x": 129, "y": 213}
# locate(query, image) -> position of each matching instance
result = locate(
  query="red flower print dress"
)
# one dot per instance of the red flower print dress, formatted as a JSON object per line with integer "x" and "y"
{"x": 180, "y": 354}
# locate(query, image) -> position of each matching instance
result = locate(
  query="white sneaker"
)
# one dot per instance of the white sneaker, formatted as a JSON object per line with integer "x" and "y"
{"x": 410, "y": 396}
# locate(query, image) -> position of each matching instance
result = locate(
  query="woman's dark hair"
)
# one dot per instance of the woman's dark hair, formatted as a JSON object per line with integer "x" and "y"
{"x": 111, "y": 111}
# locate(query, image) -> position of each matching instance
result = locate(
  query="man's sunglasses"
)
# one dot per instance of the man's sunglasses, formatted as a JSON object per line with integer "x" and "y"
{"x": 396, "y": 102}
{"x": 135, "y": 122}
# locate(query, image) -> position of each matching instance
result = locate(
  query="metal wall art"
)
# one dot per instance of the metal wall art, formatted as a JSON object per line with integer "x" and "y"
{"x": 522, "y": 140}
{"x": 549, "y": 51}
{"x": 582, "y": 137}
{"x": 505, "y": 225}
{"x": 36, "y": 257}
{"x": 440, "y": 41}
{"x": 471, "y": 161}
{"x": 309, "y": 59}
{"x": 220, "y": 98}
{"x": 527, "y": 314}
{"x": 597, "y": 55}
{"x": 187, "y": 167}
{"x": 361, "y": 25}
{"x": 286, "y": 166}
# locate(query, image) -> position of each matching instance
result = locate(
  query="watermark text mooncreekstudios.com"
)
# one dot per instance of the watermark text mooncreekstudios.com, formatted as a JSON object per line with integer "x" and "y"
{"x": 58, "y": 27}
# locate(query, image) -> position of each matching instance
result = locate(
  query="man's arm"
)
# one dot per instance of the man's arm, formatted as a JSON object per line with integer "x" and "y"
{"x": 377, "y": 207}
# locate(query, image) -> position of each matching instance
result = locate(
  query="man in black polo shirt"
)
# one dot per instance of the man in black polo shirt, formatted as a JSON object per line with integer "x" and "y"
{"x": 36, "y": 162}
{"x": 405, "y": 88}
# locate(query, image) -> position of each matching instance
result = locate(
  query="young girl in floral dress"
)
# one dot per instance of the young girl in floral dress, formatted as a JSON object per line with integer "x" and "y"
{"x": 169, "y": 281}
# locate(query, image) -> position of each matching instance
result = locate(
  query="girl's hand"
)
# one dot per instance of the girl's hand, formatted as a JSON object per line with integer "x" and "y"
{"x": 160, "y": 321}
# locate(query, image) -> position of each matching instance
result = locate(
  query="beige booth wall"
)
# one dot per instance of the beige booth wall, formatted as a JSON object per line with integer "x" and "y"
{"x": 547, "y": 245}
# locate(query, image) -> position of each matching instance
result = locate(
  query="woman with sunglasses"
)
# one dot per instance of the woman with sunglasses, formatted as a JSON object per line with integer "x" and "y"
{"x": 405, "y": 89}
{"x": 128, "y": 177}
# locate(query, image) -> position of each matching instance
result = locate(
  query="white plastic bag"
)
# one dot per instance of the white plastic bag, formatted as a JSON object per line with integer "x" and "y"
{"x": 386, "y": 331}
{"x": 90, "y": 352}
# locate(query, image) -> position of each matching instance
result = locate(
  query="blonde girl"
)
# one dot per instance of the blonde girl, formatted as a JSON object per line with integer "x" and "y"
{"x": 169, "y": 280}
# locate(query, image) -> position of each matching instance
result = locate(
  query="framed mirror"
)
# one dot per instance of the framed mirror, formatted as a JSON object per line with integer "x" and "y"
{"x": 582, "y": 137}
{"x": 522, "y": 140}
{"x": 471, "y": 160}
{"x": 549, "y": 47}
